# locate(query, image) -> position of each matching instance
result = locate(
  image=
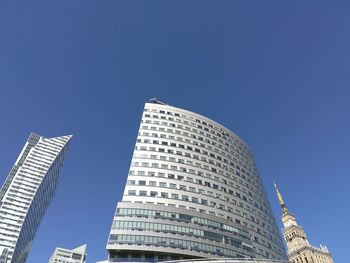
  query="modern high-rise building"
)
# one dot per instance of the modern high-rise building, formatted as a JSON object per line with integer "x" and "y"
{"x": 63, "y": 255}
{"x": 299, "y": 248}
{"x": 27, "y": 193}
{"x": 193, "y": 191}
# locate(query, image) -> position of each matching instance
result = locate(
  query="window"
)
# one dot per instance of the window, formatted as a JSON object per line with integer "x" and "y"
{"x": 164, "y": 195}
{"x": 76, "y": 256}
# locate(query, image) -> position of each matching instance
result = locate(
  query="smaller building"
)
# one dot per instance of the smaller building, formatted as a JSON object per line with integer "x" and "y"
{"x": 299, "y": 249}
{"x": 63, "y": 255}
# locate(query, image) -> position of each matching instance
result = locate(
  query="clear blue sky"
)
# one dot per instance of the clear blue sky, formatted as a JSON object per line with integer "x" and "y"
{"x": 275, "y": 73}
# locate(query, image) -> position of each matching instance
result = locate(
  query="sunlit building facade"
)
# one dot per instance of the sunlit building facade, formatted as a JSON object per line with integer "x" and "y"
{"x": 299, "y": 248}
{"x": 63, "y": 255}
{"x": 27, "y": 193}
{"x": 193, "y": 192}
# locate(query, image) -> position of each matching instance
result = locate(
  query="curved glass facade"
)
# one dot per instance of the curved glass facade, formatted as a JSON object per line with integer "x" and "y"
{"x": 193, "y": 191}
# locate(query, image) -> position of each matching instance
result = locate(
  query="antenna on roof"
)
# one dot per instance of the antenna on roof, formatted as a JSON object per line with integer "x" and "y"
{"x": 156, "y": 101}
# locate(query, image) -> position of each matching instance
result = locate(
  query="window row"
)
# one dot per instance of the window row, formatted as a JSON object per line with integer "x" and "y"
{"x": 213, "y": 129}
{"x": 171, "y": 132}
{"x": 193, "y": 200}
{"x": 233, "y": 212}
{"x": 214, "y": 167}
{"x": 136, "y": 257}
{"x": 217, "y": 159}
{"x": 187, "y": 189}
{"x": 173, "y": 243}
{"x": 201, "y": 136}
{"x": 169, "y": 228}
{"x": 145, "y": 160}
{"x": 174, "y": 168}
{"x": 182, "y": 218}
{"x": 210, "y": 189}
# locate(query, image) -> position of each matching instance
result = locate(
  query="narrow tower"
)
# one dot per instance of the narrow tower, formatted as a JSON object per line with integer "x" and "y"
{"x": 27, "y": 193}
{"x": 299, "y": 249}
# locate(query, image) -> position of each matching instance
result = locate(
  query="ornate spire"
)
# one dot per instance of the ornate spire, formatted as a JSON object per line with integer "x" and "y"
{"x": 283, "y": 206}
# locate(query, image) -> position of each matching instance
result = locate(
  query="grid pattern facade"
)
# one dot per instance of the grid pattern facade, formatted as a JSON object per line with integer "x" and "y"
{"x": 193, "y": 191}
{"x": 27, "y": 193}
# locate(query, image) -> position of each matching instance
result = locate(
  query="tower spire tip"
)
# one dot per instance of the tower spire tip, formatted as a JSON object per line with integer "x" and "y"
{"x": 283, "y": 205}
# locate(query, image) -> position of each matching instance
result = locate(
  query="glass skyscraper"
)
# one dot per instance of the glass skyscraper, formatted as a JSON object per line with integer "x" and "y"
{"x": 27, "y": 193}
{"x": 193, "y": 191}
